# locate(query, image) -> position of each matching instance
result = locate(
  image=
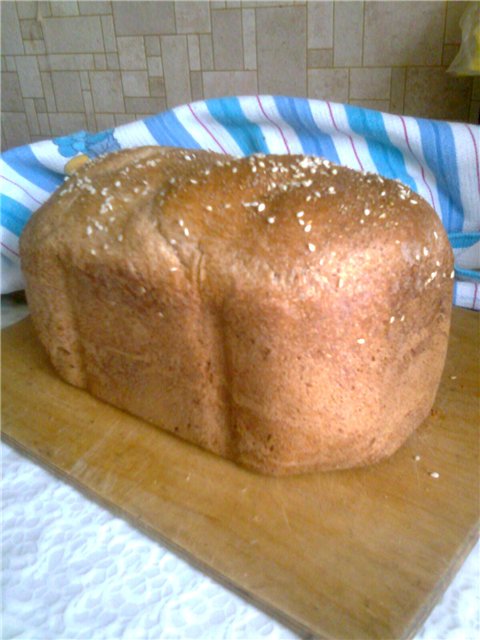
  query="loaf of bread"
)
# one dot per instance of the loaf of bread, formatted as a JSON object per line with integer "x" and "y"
{"x": 280, "y": 311}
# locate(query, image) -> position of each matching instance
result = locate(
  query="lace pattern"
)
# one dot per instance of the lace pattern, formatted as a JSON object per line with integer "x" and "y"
{"x": 73, "y": 570}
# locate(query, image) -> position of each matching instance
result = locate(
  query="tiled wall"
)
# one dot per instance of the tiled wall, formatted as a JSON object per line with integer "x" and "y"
{"x": 73, "y": 65}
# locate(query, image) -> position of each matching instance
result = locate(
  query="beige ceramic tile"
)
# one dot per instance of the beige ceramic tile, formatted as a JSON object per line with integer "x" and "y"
{"x": 453, "y": 32}
{"x": 370, "y": 83}
{"x": 175, "y": 67}
{"x": 276, "y": 3}
{"x": 11, "y": 35}
{"x": 48, "y": 91}
{"x": 107, "y": 91}
{"x": 135, "y": 83}
{"x": 94, "y": 8}
{"x": 377, "y": 105}
{"x": 152, "y": 45}
{"x": 156, "y": 87}
{"x": 31, "y": 30}
{"x": 9, "y": 63}
{"x": 113, "y": 61}
{"x": 40, "y": 105}
{"x": 227, "y": 39}
{"x": 84, "y": 81}
{"x": 29, "y": 77}
{"x": 32, "y": 118}
{"x": 37, "y": 138}
{"x": 68, "y": 91}
{"x": 122, "y": 118}
{"x": 14, "y": 129}
{"x": 192, "y": 17}
{"x": 44, "y": 62}
{"x": 62, "y": 124}
{"x": 144, "y": 105}
{"x": 161, "y": 106}
{"x": 143, "y": 18}
{"x": 131, "y": 51}
{"x": 65, "y": 8}
{"x": 327, "y": 38}
{"x": 33, "y": 47}
{"x": 11, "y": 93}
{"x": 318, "y": 58}
{"x": 229, "y": 83}
{"x": 27, "y": 9}
{"x": 397, "y": 90}
{"x": 88, "y": 101}
{"x": 73, "y": 34}
{"x": 397, "y": 33}
{"x": 206, "y": 52}
{"x": 100, "y": 61}
{"x": 320, "y": 25}
{"x": 328, "y": 84}
{"x": 249, "y": 39}
{"x": 66, "y": 62}
{"x": 348, "y": 34}
{"x": 106, "y": 120}
{"x": 196, "y": 83}
{"x": 154, "y": 66}
{"x": 44, "y": 9}
{"x": 91, "y": 122}
{"x": 193, "y": 53}
{"x": 281, "y": 55}
{"x": 89, "y": 110}
{"x": 44, "y": 124}
{"x": 108, "y": 31}
{"x": 431, "y": 93}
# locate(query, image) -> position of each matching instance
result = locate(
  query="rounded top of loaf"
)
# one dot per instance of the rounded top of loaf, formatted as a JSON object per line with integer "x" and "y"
{"x": 291, "y": 221}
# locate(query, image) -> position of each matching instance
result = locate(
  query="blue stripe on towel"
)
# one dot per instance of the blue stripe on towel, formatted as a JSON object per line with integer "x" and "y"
{"x": 463, "y": 240}
{"x": 388, "y": 159}
{"x": 296, "y": 112}
{"x": 168, "y": 131}
{"x": 24, "y": 162}
{"x": 14, "y": 215}
{"x": 439, "y": 151}
{"x": 228, "y": 113}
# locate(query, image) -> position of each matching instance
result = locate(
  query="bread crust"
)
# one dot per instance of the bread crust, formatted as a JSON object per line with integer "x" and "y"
{"x": 281, "y": 311}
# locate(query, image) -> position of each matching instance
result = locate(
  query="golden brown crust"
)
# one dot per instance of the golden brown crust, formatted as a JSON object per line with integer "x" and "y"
{"x": 281, "y": 311}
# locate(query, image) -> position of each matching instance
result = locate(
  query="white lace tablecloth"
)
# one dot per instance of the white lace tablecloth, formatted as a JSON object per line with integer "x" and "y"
{"x": 73, "y": 570}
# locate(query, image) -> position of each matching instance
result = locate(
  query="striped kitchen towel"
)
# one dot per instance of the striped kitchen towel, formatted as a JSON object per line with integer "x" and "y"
{"x": 439, "y": 160}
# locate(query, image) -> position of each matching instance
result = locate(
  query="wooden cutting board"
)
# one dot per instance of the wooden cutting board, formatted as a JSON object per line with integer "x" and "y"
{"x": 351, "y": 554}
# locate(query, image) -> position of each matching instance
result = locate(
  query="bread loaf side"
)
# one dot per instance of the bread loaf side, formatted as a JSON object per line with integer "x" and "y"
{"x": 283, "y": 312}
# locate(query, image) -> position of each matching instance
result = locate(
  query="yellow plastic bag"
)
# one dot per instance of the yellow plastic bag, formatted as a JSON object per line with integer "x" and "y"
{"x": 467, "y": 60}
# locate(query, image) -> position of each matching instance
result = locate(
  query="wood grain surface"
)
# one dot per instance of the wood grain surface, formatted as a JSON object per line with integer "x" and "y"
{"x": 350, "y": 554}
